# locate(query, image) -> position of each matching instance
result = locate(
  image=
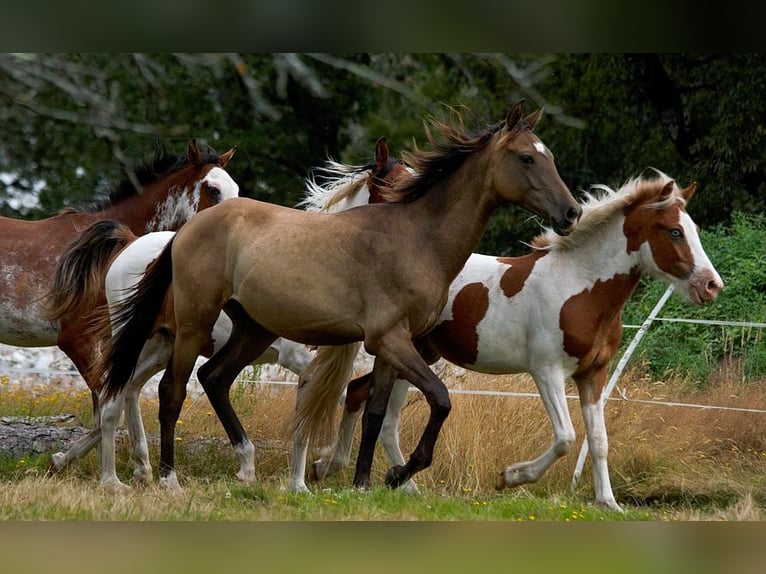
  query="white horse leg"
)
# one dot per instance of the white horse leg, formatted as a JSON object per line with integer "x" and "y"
{"x": 551, "y": 386}
{"x": 297, "y": 481}
{"x": 339, "y": 457}
{"x": 598, "y": 445}
{"x": 110, "y": 417}
{"x": 77, "y": 449}
{"x": 245, "y": 454}
{"x": 389, "y": 432}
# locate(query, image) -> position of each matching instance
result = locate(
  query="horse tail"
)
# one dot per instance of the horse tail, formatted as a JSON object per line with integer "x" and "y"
{"x": 79, "y": 276}
{"x": 132, "y": 322}
{"x": 320, "y": 389}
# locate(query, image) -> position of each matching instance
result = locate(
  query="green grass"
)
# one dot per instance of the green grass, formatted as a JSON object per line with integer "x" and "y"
{"x": 29, "y": 495}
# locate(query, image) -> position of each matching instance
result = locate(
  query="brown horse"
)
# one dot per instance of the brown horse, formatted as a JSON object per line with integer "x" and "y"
{"x": 377, "y": 273}
{"x": 172, "y": 190}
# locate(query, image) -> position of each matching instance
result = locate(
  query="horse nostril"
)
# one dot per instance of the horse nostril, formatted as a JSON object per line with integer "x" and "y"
{"x": 714, "y": 286}
{"x": 573, "y": 214}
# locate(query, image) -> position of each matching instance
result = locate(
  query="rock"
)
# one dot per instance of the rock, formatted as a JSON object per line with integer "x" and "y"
{"x": 25, "y": 436}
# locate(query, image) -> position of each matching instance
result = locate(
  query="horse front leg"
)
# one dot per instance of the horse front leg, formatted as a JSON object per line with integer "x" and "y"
{"x": 592, "y": 406}
{"x": 551, "y": 386}
{"x": 383, "y": 377}
{"x": 398, "y": 350}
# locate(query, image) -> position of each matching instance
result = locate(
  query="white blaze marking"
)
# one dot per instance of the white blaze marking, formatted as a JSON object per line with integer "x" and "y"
{"x": 540, "y": 146}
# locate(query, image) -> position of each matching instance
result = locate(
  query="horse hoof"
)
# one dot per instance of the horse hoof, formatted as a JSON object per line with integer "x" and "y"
{"x": 394, "y": 477}
{"x": 170, "y": 483}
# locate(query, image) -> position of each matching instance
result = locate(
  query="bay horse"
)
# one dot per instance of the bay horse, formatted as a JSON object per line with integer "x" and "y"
{"x": 556, "y": 313}
{"x": 342, "y": 187}
{"x": 172, "y": 190}
{"x": 377, "y": 273}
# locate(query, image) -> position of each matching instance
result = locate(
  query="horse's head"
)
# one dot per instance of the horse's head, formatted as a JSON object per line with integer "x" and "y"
{"x": 207, "y": 176}
{"x": 667, "y": 239}
{"x": 180, "y": 189}
{"x": 523, "y": 172}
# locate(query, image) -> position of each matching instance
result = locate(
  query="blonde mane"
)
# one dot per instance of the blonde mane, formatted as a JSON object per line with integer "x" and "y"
{"x": 600, "y": 208}
{"x": 331, "y": 184}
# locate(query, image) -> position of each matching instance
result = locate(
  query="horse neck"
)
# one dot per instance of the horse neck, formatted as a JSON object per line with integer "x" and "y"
{"x": 160, "y": 207}
{"x": 603, "y": 256}
{"x": 459, "y": 208}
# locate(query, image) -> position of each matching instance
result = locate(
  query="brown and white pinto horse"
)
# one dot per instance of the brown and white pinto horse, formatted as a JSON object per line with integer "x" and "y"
{"x": 342, "y": 187}
{"x": 556, "y": 313}
{"x": 172, "y": 190}
{"x": 376, "y": 273}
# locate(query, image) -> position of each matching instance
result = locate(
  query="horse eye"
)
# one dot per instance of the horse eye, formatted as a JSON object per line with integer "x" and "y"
{"x": 214, "y": 191}
{"x": 676, "y": 233}
{"x": 527, "y": 158}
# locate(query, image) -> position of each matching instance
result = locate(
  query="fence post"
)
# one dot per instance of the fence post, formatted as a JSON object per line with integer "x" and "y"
{"x": 617, "y": 372}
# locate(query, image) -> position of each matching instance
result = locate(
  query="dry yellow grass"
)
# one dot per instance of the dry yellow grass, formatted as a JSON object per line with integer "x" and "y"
{"x": 678, "y": 456}
{"x": 658, "y": 453}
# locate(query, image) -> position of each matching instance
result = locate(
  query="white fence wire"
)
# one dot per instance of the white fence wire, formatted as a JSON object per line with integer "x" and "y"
{"x": 606, "y": 396}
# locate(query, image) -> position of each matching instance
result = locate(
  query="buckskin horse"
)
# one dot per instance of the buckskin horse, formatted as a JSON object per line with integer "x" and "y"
{"x": 377, "y": 273}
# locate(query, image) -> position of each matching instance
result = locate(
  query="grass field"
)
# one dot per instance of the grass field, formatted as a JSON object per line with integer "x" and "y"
{"x": 667, "y": 463}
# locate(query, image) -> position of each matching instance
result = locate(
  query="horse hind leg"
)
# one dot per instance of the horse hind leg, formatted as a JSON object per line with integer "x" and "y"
{"x": 338, "y": 456}
{"x": 248, "y": 340}
{"x": 389, "y": 432}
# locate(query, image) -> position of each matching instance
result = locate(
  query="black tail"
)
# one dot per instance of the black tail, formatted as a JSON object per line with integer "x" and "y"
{"x": 79, "y": 276}
{"x": 132, "y": 324}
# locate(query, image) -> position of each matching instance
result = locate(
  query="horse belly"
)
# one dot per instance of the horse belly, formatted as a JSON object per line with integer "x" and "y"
{"x": 25, "y": 328}
{"x": 21, "y": 323}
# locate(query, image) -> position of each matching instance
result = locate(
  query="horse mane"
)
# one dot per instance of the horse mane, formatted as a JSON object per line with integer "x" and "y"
{"x": 600, "y": 208}
{"x": 148, "y": 171}
{"x": 332, "y": 183}
{"x": 451, "y": 144}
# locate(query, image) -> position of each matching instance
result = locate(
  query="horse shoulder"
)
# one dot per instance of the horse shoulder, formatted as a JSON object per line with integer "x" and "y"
{"x": 591, "y": 320}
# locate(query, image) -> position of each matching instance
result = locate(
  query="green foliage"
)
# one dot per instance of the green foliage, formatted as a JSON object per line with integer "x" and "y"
{"x": 738, "y": 252}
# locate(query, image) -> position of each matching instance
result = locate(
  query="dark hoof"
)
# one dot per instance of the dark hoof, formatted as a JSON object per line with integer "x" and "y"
{"x": 394, "y": 477}
{"x": 362, "y": 484}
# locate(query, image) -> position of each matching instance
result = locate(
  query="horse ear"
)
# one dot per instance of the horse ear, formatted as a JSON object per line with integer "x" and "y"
{"x": 192, "y": 152}
{"x": 667, "y": 189}
{"x": 515, "y": 114}
{"x": 532, "y": 119}
{"x": 381, "y": 153}
{"x": 689, "y": 191}
{"x": 224, "y": 158}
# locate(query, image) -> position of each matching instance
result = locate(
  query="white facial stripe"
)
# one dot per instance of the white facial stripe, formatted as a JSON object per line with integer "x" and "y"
{"x": 220, "y": 178}
{"x": 701, "y": 260}
{"x": 540, "y": 146}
